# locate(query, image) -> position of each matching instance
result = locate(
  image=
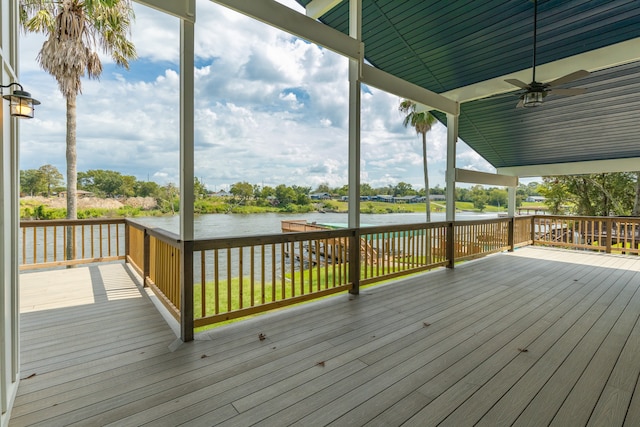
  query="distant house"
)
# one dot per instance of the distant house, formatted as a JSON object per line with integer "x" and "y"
{"x": 222, "y": 193}
{"x": 407, "y": 199}
{"x": 438, "y": 197}
{"x": 535, "y": 199}
{"x": 383, "y": 198}
{"x": 319, "y": 196}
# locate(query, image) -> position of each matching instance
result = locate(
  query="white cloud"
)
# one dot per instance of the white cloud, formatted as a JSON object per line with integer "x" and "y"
{"x": 270, "y": 109}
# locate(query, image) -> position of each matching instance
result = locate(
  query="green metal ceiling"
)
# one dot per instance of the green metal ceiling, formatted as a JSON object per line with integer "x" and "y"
{"x": 449, "y": 44}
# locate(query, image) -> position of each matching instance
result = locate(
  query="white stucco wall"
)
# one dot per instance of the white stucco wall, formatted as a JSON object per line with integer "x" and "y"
{"x": 9, "y": 175}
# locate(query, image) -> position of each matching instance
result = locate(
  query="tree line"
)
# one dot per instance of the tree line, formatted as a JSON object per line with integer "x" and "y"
{"x": 48, "y": 181}
{"x": 592, "y": 195}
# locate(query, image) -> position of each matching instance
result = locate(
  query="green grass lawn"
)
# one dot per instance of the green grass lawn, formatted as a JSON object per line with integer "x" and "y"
{"x": 300, "y": 283}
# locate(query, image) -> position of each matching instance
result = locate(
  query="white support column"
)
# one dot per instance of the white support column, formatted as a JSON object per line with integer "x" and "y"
{"x": 452, "y": 138}
{"x": 355, "y": 82}
{"x": 186, "y": 129}
{"x": 511, "y": 202}
{"x": 355, "y": 74}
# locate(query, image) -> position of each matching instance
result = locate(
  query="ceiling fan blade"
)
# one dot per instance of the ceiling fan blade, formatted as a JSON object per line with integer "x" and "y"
{"x": 569, "y": 78}
{"x": 510, "y": 95}
{"x": 568, "y": 92}
{"x": 518, "y": 83}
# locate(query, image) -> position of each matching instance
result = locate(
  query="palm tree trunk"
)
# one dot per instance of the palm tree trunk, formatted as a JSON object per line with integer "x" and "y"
{"x": 72, "y": 172}
{"x": 426, "y": 176}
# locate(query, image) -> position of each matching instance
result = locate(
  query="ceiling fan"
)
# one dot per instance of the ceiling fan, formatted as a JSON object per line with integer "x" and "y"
{"x": 535, "y": 92}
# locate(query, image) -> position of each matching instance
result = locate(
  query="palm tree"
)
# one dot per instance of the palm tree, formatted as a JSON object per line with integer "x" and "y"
{"x": 422, "y": 122}
{"x": 75, "y": 30}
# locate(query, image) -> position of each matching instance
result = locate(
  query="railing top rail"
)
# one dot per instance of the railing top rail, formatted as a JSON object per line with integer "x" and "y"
{"x": 68, "y": 222}
{"x": 482, "y": 221}
{"x": 402, "y": 227}
{"x": 256, "y": 240}
{"x": 590, "y": 218}
{"x": 165, "y": 236}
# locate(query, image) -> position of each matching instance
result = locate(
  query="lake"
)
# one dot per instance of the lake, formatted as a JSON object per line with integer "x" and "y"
{"x": 227, "y": 225}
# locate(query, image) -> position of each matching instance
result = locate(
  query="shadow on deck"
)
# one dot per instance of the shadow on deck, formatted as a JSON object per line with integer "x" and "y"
{"x": 538, "y": 336}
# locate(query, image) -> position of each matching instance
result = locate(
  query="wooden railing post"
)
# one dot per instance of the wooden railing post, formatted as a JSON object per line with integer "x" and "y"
{"x": 146, "y": 257}
{"x": 510, "y": 237}
{"x": 186, "y": 291}
{"x": 451, "y": 244}
{"x": 533, "y": 229}
{"x": 355, "y": 254}
{"x": 127, "y": 252}
{"x": 609, "y": 224}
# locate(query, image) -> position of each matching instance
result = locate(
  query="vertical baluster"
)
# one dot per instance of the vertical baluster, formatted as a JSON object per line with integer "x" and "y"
{"x": 82, "y": 234}
{"x": 216, "y": 281}
{"x": 108, "y": 239}
{"x": 74, "y": 242}
{"x": 252, "y": 272}
{"x": 311, "y": 263}
{"x": 301, "y": 249}
{"x": 64, "y": 244}
{"x": 118, "y": 253}
{"x": 228, "y": 279}
{"x": 35, "y": 245}
{"x": 274, "y": 285}
{"x": 203, "y": 283}
{"x": 326, "y": 263}
{"x": 380, "y": 253}
{"x": 241, "y": 276}
{"x": 262, "y": 275}
{"x": 44, "y": 251}
{"x": 100, "y": 237}
{"x": 318, "y": 265}
{"x": 282, "y": 271}
{"x": 334, "y": 258}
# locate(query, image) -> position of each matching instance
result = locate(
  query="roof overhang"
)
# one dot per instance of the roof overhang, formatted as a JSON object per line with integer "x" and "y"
{"x": 576, "y": 168}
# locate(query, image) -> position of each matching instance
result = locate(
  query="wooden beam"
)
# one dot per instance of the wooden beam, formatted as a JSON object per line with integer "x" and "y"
{"x": 452, "y": 139}
{"x": 183, "y": 9}
{"x": 475, "y": 177}
{"x": 575, "y": 168}
{"x": 279, "y": 16}
{"x": 395, "y": 85}
{"x": 316, "y": 8}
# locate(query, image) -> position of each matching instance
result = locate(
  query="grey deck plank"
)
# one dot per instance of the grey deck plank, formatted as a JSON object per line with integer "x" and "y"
{"x": 542, "y": 402}
{"x": 452, "y": 390}
{"x": 574, "y": 312}
{"x": 498, "y": 334}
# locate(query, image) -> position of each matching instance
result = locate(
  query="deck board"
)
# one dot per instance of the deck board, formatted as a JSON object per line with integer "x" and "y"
{"x": 441, "y": 347}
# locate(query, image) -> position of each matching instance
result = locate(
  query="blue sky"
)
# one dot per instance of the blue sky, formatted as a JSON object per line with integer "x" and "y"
{"x": 270, "y": 109}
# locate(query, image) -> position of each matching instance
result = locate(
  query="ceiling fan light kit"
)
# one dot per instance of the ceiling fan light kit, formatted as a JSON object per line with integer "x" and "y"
{"x": 532, "y": 99}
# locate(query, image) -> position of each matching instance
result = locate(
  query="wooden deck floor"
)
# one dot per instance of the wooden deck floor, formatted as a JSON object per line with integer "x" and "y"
{"x": 536, "y": 337}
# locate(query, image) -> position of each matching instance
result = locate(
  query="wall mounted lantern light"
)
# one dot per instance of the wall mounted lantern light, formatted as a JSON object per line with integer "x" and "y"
{"x": 20, "y": 102}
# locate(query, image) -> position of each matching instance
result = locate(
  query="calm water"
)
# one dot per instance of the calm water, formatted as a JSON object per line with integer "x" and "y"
{"x": 226, "y": 225}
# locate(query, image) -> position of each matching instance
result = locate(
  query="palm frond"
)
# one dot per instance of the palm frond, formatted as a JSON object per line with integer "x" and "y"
{"x": 76, "y": 29}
